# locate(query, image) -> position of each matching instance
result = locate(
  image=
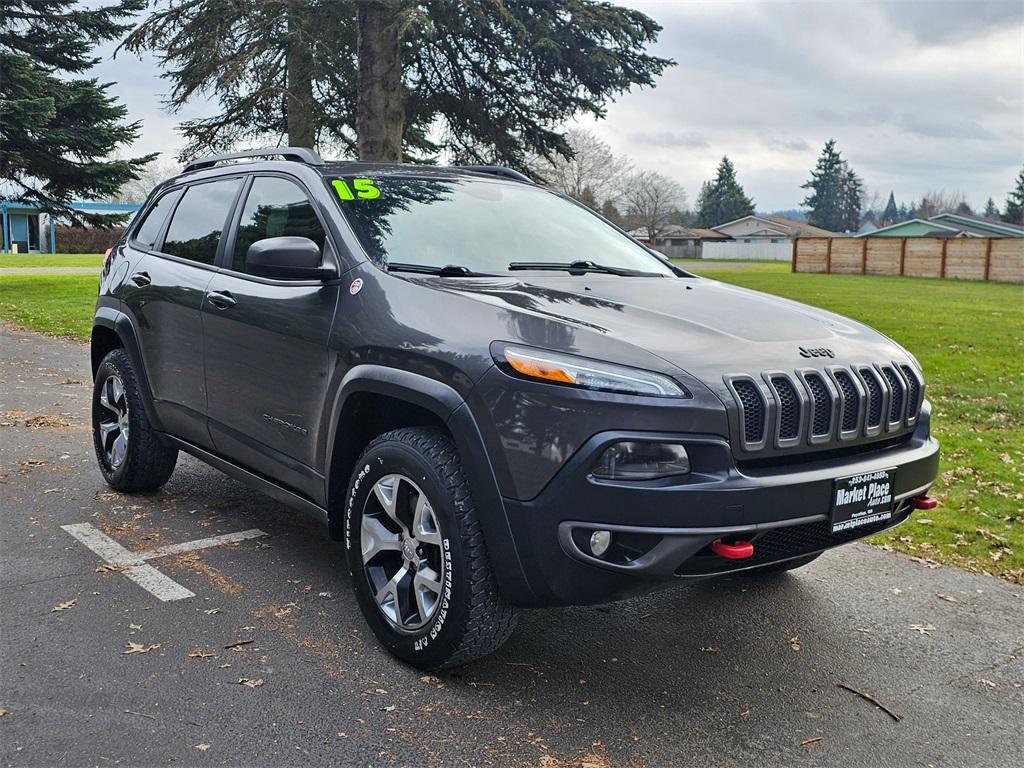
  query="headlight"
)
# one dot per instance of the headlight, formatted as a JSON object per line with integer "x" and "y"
{"x": 590, "y": 374}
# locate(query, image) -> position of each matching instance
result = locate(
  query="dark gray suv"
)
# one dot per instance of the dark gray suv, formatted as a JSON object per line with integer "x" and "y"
{"x": 495, "y": 397}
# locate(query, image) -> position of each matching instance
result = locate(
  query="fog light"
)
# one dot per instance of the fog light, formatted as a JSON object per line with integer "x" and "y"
{"x": 642, "y": 461}
{"x": 599, "y": 542}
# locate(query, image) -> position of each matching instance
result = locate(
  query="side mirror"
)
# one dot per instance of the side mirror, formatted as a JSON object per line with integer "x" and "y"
{"x": 294, "y": 258}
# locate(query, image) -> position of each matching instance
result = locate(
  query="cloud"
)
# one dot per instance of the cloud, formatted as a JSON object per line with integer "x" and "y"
{"x": 919, "y": 95}
{"x": 670, "y": 139}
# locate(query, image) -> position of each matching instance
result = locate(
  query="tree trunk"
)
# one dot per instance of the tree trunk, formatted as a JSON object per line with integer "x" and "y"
{"x": 301, "y": 131}
{"x": 379, "y": 114}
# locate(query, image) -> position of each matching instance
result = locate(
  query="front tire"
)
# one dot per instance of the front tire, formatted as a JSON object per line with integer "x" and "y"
{"x": 416, "y": 553}
{"x": 131, "y": 455}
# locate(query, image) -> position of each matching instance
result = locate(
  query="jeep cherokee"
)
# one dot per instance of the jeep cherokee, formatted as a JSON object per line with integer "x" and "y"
{"x": 493, "y": 396}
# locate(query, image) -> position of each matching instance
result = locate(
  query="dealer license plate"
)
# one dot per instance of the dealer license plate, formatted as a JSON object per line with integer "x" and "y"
{"x": 860, "y": 500}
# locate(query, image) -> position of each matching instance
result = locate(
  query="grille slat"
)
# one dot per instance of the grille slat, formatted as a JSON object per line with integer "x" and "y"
{"x": 851, "y": 401}
{"x": 789, "y": 408}
{"x": 822, "y": 399}
{"x": 913, "y": 392}
{"x": 753, "y": 410}
{"x": 871, "y": 400}
{"x": 875, "y": 398}
{"x": 895, "y": 395}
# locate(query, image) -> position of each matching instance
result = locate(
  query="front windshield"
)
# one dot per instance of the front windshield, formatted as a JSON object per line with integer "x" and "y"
{"x": 483, "y": 225}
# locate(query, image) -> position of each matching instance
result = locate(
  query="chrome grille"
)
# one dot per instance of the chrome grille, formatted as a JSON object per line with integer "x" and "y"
{"x": 784, "y": 410}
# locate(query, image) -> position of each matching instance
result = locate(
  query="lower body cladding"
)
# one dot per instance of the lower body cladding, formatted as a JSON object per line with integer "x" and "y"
{"x": 719, "y": 518}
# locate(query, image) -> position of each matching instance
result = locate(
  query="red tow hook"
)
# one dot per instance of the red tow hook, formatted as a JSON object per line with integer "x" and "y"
{"x": 741, "y": 550}
{"x": 924, "y": 502}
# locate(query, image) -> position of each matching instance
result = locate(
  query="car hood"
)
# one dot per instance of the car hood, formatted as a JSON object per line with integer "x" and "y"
{"x": 702, "y": 326}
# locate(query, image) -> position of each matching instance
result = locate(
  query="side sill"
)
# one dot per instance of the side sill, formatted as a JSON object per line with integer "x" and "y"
{"x": 262, "y": 485}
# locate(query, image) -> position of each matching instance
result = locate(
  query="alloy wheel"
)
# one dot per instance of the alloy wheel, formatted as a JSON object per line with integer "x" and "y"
{"x": 403, "y": 560}
{"x": 113, "y": 421}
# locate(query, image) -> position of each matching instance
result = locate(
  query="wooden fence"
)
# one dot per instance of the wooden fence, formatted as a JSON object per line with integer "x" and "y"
{"x": 1000, "y": 259}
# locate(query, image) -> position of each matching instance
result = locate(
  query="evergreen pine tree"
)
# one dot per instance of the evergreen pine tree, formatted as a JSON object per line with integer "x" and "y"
{"x": 851, "y": 200}
{"x": 387, "y": 80}
{"x": 58, "y": 128}
{"x": 991, "y": 212}
{"x": 891, "y": 214}
{"x": 1013, "y": 213}
{"x": 722, "y": 199}
{"x": 828, "y": 199}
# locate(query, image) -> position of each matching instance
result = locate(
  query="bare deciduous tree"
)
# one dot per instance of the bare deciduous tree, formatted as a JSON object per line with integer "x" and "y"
{"x": 137, "y": 190}
{"x": 593, "y": 175}
{"x": 937, "y": 202}
{"x": 651, "y": 198}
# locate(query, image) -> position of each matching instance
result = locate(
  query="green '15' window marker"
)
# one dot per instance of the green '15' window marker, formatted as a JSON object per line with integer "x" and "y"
{"x": 364, "y": 189}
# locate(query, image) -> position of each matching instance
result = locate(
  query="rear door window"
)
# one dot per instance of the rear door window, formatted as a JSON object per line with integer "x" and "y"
{"x": 275, "y": 207}
{"x": 149, "y": 230}
{"x": 199, "y": 219}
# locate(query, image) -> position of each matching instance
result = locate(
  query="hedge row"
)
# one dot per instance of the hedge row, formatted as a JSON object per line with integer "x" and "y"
{"x": 86, "y": 239}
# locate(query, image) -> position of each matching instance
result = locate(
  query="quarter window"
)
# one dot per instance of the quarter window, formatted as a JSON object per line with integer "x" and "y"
{"x": 275, "y": 208}
{"x": 147, "y": 233}
{"x": 198, "y": 221}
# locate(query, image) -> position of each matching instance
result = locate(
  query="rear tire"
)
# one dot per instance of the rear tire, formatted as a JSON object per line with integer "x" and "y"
{"x": 131, "y": 455}
{"x": 416, "y": 552}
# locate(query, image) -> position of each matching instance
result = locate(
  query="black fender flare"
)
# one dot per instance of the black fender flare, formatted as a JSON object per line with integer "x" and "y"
{"x": 121, "y": 324}
{"x": 452, "y": 410}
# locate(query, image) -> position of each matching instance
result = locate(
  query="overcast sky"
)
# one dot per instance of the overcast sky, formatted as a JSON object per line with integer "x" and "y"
{"x": 919, "y": 95}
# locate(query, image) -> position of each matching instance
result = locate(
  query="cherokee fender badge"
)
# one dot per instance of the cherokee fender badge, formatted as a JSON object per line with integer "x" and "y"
{"x": 356, "y": 287}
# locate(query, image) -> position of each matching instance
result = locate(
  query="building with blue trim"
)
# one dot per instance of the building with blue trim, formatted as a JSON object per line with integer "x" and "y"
{"x": 32, "y": 230}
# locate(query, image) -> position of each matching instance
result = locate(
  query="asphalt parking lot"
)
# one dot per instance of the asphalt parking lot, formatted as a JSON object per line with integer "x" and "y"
{"x": 268, "y": 661}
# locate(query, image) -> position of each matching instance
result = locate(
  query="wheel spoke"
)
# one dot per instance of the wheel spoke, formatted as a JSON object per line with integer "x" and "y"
{"x": 106, "y": 430}
{"x": 424, "y": 526}
{"x": 105, "y": 399}
{"x": 117, "y": 392}
{"x": 388, "y": 599}
{"x": 118, "y": 449}
{"x": 426, "y": 589}
{"x": 375, "y": 538}
{"x": 386, "y": 491}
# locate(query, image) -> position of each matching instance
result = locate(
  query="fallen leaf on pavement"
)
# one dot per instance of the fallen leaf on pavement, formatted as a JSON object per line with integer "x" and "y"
{"x": 202, "y": 747}
{"x": 140, "y": 648}
{"x": 815, "y": 740}
{"x": 794, "y": 643}
{"x": 110, "y": 568}
{"x": 947, "y": 598}
{"x": 2, "y": 711}
{"x": 924, "y": 629}
{"x": 710, "y": 649}
{"x": 64, "y": 606}
{"x": 212, "y": 611}
{"x": 989, "y": 683}
{"x": 134, "y": 626}
{"x": 251, "y": 683}
{"x": 199, "y": 653}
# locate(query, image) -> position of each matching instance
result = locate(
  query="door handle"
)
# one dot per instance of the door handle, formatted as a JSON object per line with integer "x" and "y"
{"x": 141, "y": 279}
{"x": 221, "y": 299}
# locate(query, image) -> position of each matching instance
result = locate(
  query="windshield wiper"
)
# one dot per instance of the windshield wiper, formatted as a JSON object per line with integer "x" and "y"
{"x": 448, "y": 270}
{"x": 580, "y": 267}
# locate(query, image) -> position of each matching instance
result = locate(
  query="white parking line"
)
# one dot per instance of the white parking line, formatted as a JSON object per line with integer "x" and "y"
{"x": 135, "y": 567}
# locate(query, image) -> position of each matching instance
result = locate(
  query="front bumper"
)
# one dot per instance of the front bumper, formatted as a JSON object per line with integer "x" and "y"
{"x": 665, "y": 528}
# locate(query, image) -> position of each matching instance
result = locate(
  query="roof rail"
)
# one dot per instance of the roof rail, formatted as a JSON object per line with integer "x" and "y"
{"x": 496, "y": 170}
{"x": 296, "y": 154}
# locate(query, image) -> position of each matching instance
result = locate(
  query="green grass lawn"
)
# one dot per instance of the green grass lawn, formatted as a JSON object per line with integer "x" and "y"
{"x": 969, "y": 337}
{"x": 57, "y": 304}
{"x": 49, "y": 260}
